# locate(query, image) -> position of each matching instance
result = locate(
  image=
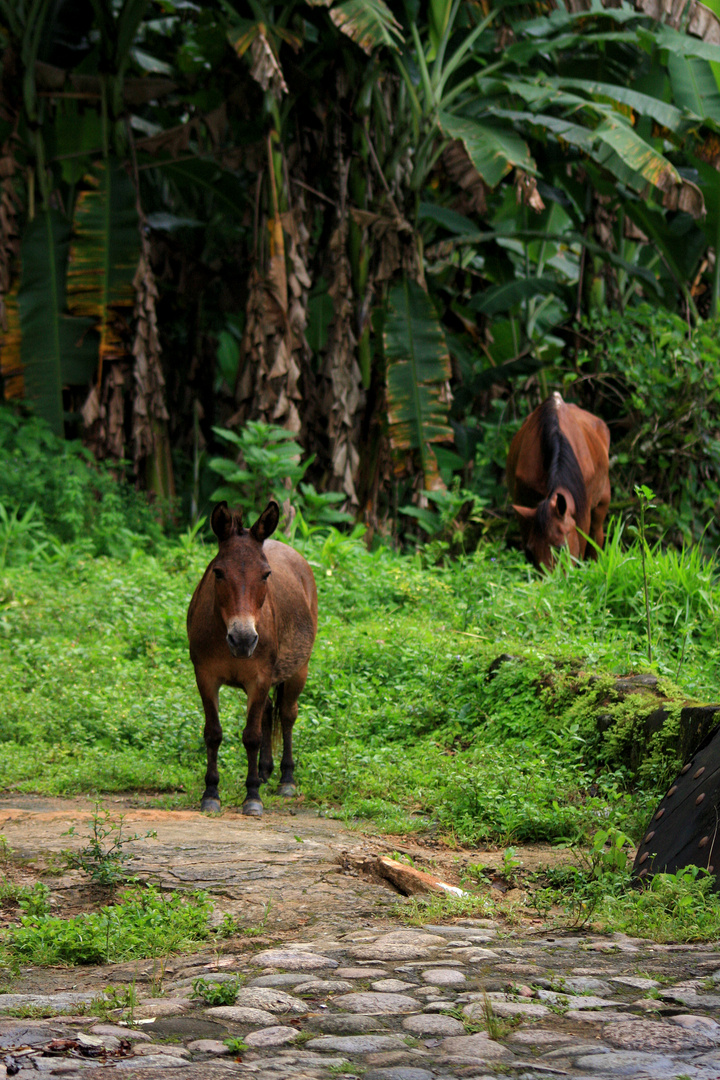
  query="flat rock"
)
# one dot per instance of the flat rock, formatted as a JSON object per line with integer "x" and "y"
{"x": 533, "y": 1036}
{"x": 360, "y": 972}
{"x": 596, "y": 1016}
{"x": 280, "y": 1035}
{"x": 293, "y": 960}
{"x": 120, "y": 1032}
{"x": 345, "y": 1024}
{"x": 390, "y": 952}
{"x": 410, "y": 937}
{"x": 209, "y": 1046}
{"x": 470, "y": 1049}
{"x": 433, "y": 1025}
{"x": 280, "y": 978}
{"x": 656, "y": 1035}
{"x": 443, "y": 976}
{"x": 28, "y": 1033}
{"x": 323, "y": 986}
{"x": 574, "y": 1001}
{"x": 392, "y": 986}
{"x": 153, "y": 1061}
{"x": 697, "y": 1023}
{"x": 271, "y": 999}
{"x": 574, "y": 984}
{"x": 398, "y": 1072}
{"x": 149, "y": 1049}
{"x": 57, "y": 1003}
{"x": 621, "y": 1063}
{"x": 357, "y": 1044}
{"x": 372, "y": 1002}
{"x": 241, "y": 1014}
{"x": 473, "y": 933}
{"x": 635, "y": 981}
{"x": 474, "y": 1011}
{"x": 162, "y": 1007}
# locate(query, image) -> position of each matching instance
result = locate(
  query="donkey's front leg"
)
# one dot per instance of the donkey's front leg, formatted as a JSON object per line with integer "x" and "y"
{"x": 252, "y": 737}
{"x": 213, "y": 737}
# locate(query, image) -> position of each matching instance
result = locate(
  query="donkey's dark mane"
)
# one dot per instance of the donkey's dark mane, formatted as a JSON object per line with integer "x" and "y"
{"x": 559, "y": 463}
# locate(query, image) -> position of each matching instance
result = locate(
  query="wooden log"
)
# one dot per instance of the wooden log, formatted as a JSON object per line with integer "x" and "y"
{"x": 410, "y": 881}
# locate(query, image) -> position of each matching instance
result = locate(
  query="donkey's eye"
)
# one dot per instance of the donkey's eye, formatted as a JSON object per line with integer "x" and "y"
{"x": 266, "y": 576}
{"x": 220, "y": 576}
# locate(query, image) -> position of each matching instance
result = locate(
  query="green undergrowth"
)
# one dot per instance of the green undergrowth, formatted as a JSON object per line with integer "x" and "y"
{"x": 143, "y": 923}
{"x": 406, "y": 721}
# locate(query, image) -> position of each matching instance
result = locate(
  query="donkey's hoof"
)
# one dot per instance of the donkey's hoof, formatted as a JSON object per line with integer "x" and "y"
{"x": 287, "y": 790}
{"x": 210, "y": 806}
{"x": 252, "y": 808}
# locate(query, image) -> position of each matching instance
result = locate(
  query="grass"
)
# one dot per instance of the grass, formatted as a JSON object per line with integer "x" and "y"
{"x": 399, "y": 723}
{"x": 405, "y": 721}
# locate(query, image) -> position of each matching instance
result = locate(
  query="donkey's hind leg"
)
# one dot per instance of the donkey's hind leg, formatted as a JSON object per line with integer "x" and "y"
{"x": 266, "y": 763}
{"x": 289, "y": 692}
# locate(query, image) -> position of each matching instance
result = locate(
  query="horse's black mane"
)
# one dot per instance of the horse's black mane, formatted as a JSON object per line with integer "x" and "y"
{"x": 559, "y": 462}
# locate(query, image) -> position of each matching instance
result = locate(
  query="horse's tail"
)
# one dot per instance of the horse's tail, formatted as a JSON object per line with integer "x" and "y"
{"x": 276, "y": 724}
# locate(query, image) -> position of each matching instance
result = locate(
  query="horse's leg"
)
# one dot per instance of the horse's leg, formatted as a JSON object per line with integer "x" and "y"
{"x": 213, "y": 737}
{"x": 252, "y": 738}
{"x": 292, "y": 688}
{"x": 266, "y": 757}
{"x": 597, "y": 520}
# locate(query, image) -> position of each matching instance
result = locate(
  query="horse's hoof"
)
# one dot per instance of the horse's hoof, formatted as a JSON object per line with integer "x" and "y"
{"x": 210, "y": 806}
{"x": 252, "y": 808}
{"x": 287, "y": 790}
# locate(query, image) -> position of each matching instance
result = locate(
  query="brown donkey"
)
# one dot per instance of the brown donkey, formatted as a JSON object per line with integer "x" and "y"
{"x": 557, "y": 473}
{"x": 252, "y": 623}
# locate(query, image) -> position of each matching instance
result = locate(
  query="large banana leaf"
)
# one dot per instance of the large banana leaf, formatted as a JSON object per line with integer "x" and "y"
{"x": 369, "y": 23}
{"x": 54, "y": 349}
{"x": 493, "y": 149}
{"x": 694, "y": 86}
{"x": 418, "y": 368}
{"x": 104, "y": 255}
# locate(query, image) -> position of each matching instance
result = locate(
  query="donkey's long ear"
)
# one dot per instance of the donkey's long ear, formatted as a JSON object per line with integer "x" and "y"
{"x": 224, "y": 522}
{"x": 525, "y": 512}
{"x": 267, "y": 523}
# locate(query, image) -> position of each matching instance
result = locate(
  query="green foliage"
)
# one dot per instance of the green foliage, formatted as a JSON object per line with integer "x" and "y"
{"x": 269, "y": 465}
{"x": 216, "y": 993}
{"x": 52, "y": 491}
{"x": 142, "y": 923}
{"x": 656, "y": 380}
{"x": 103, "y": 857}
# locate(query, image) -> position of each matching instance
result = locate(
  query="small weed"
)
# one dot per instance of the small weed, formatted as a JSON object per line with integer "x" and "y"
{"x": 217, "y": 993}
{"x": 115, "y": 998}
{"x": 103, "y": 857}
{"x": 31, "y": 900}
{"x": 5, "y": 851}
{"x": 258, "y": 928}
{"x": 236, "y": 1045}
{"x": 304, "y": 1036}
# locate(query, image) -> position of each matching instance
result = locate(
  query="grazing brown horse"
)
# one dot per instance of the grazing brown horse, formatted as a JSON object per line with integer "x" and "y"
{"x": 252, "y": 623}
{"x": 557, "y": 473}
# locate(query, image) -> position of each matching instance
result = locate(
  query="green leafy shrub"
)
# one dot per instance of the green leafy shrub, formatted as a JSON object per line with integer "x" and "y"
{"x": 54, "y": 488}
{"x": 657, "y": 382}
{"x": 268, "y": 465}
{"x": 217, "y": 993}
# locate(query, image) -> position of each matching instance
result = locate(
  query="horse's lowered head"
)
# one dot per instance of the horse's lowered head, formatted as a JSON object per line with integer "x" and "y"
{"x": 240, "y": 571}
{"x": 549, "y": 526}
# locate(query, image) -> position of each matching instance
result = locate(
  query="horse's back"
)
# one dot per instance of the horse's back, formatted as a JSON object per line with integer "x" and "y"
{"x": 588, "y": 435}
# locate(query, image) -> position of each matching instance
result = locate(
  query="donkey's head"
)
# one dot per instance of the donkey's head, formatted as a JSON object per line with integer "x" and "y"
{"x": 241, "y": 571}
{"x": 548, "y": 527}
